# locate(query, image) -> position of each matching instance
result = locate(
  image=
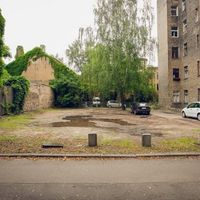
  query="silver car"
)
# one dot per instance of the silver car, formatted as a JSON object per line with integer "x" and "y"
{"x": 192, "y": 110}
{"x": 113, "y": 104}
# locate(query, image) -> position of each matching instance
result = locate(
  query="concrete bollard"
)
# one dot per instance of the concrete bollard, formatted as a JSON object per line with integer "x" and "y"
{"x": 146, "y": 140}
{"x": 92, "y": 140}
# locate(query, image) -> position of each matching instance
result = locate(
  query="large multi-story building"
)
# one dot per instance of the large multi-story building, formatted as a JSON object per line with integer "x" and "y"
{"x": 178, "y": 52}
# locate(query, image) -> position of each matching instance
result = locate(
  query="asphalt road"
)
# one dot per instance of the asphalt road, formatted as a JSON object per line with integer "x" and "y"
{"x": 100, "y": 179}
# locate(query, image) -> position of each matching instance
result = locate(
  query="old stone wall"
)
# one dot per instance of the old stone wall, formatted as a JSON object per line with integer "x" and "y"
{"x": 39, "y": 70}
{"x": 40, "y": 96}
{"x": 6, "y": 98}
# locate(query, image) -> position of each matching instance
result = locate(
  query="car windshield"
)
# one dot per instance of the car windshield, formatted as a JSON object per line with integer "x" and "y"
{"x": 142, "y": 104}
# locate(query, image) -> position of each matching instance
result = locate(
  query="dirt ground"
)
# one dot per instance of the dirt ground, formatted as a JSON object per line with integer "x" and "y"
{"x": 110, "y": 124}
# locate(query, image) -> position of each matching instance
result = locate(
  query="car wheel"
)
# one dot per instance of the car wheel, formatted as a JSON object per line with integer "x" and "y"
{"x": 198, "y": 116}
{"x": 184, "y": 115}
{"x": 109, "y": 106}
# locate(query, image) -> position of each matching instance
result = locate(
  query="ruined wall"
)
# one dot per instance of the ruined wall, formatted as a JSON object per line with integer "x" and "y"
{"x": 39, "y": 70}
{"x": 40, "y": 96}
{"x": 6, "y": 97}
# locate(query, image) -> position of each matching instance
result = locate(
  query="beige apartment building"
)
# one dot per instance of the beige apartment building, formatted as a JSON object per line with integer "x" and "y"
{"x": 178, "y": 52}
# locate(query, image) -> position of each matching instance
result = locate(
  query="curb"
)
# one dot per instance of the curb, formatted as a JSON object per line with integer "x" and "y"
{"x": 160, "y": 155}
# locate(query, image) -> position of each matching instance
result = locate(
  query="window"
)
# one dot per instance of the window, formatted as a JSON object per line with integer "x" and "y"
{"x": 192, "y": 105}
{"x": 185, "y": 26}
{"x": 174, "y": 52}
{"x": 186, "y": 72}
{"x": 174, "y": 31}
{"x": 196, "y": 15}
{"x": 176, "y": 96}
{"x": 198, "y": 94}
{"x": 174, "y": 11}
{"x": 198, "y": 68}
{"x": 198, "y": 41}
{"x": 185, "y": 49}
{"x": 185, "y": 96}
{"x": 176, "y": 74}
{"x": 183, "y": 5}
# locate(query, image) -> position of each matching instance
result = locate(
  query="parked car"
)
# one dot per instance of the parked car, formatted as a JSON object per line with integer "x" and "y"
{"x": 96, "y": 102}
{"x": 192, "y": 110}
{"x": 113, "y": 104}
{"x": 140, "y": 108}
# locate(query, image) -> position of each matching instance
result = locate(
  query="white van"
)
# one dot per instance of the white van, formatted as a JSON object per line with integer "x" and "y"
{"x": 96, "y": 102}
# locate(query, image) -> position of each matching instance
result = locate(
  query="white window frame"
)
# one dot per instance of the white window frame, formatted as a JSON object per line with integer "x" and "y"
{"x": 196, "y": 14}
{"x": 185, "y": 26}
{"x": 186, "y": 72}
{"x": 174, "y": 33}
{"x": 176, "y": 96}
{"x": 174, "y": 8}
{"x": 185, "y": 49}
{"x": 183, "y": 5}
{"x": 186, "y": 94}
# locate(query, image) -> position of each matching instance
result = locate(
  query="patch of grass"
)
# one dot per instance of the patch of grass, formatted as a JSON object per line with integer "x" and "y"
{"x": 123, "y": 143}
{"x": 196, "y": 130}
{"x": 7, "y": 138}
{"x": 15, "y": 121}
{"x": 179, "y": 145}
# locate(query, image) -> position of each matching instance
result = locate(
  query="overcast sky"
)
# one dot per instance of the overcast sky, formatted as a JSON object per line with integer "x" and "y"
{"x": 54, "y": 23}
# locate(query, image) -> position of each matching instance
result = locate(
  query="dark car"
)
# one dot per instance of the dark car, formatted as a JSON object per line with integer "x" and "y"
{"x": 140, "y": 108}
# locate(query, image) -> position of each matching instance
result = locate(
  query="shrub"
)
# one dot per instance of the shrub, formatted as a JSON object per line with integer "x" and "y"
{"x": 20, "y": 87}
{"x": 68, "y": 92}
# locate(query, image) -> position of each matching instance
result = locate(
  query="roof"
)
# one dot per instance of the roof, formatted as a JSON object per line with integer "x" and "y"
{"x": 17, "y": 67}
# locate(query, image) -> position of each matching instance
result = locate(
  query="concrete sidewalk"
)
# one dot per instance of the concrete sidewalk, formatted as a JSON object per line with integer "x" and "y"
{"x": 100, "y": 179}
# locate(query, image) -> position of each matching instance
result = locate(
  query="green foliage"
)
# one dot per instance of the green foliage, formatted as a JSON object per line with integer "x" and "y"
{"x": 2, "y": 26}
{"x": 68, "y": 92}
{"x": 19, "y": 51}
{"x": 4, "y": 77}
{"x": 77, "y": 51}
{"x": 20, "y": 87}
{"x": 16, "y": 67}
{"x": 111, "y": 63}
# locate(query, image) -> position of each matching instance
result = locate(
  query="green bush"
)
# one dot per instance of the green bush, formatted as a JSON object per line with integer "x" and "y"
{"x": 4, "y": 77}
{"x": 20, "y": 87}
{"x": 68, "y": 92}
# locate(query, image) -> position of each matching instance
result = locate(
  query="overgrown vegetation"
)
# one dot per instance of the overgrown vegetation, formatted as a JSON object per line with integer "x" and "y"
{"x": 16, "y": 67}
{"x": 20, "y": 87}
{"x": 4, "y": 52}
{"x": 68, "y": 92}
{"x": 111, "y": 61}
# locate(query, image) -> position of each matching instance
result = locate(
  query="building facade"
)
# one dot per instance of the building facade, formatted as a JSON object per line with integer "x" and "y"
{"x": 178, "y": 52}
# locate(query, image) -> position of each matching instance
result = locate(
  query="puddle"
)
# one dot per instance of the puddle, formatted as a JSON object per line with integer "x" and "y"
{"x": 74, "y": 123}
{"x": 86, "y": 121}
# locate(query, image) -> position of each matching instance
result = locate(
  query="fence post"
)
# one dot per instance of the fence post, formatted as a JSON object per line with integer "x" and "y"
{"x": 92, "y": 140}
{"x": 146, "y": 140}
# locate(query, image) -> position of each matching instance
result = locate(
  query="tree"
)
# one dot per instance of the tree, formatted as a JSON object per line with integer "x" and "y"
{"x": 4, "y": 52}
{"x": 2, "y": 25}
{"x": 125, "y": 34}
{"x": 77, "y": 51}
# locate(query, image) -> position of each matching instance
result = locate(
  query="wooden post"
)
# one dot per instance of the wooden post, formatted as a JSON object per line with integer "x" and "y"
{"x": 92, "y": 140}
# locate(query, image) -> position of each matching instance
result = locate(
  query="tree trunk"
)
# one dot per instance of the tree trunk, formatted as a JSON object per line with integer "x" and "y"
{"x": 122, "y": 101}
